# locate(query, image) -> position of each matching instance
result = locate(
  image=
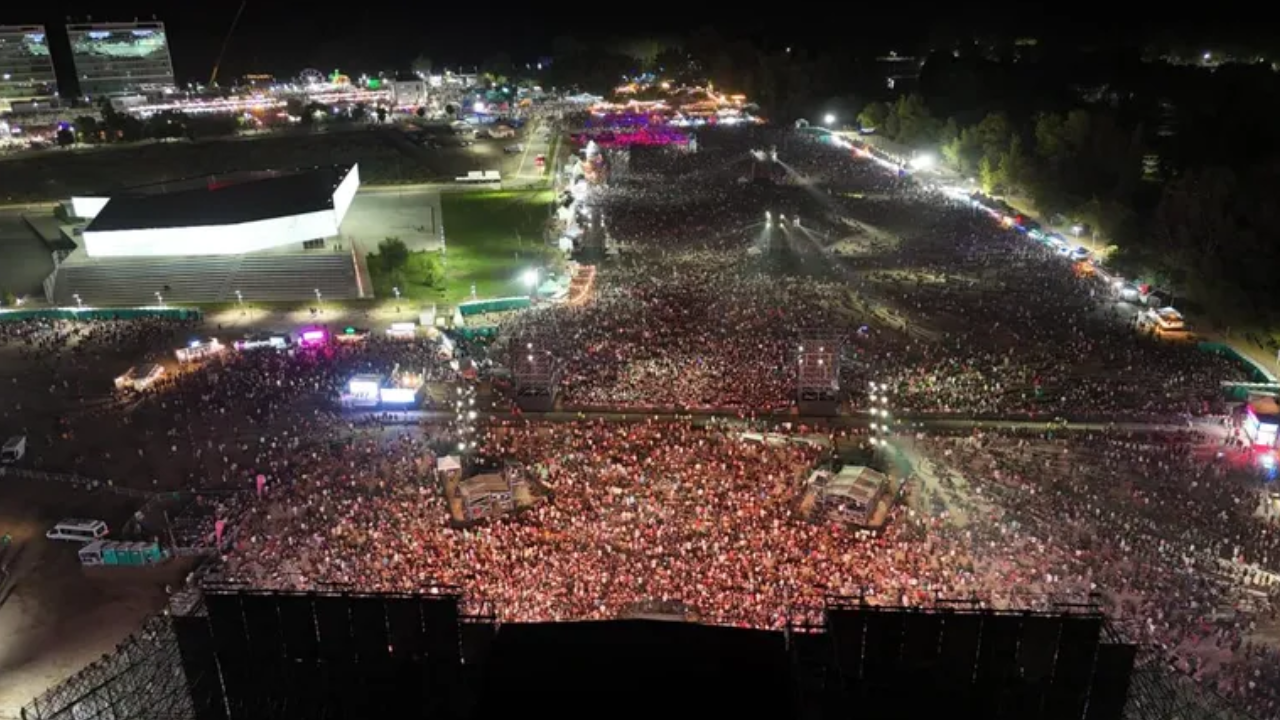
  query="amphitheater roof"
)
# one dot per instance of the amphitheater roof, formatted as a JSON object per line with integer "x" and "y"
{"x": 227, "y": 199}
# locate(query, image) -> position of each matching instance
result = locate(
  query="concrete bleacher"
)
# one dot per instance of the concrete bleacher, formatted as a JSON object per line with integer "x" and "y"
{"x": 296, "y": 277}
{"x": 205, "y": 279}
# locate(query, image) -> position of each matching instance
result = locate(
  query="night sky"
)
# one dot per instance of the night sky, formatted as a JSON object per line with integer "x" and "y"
{"x": 283, "y": 37}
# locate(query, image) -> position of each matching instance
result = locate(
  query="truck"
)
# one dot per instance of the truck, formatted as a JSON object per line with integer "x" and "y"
{"x": 13, "y": 450}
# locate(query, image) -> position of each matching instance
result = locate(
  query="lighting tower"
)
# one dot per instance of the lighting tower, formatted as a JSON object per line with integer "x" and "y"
{"x": 881, "y": 418}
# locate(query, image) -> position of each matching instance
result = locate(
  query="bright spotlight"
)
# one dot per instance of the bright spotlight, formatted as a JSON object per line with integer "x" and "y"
{"x": 923, "y": 161}
{"x": 530, "y": 278}
{"x": 829, "y": 119}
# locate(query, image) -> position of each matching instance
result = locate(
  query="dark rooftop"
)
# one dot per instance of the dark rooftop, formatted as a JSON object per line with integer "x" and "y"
{"x": 221, "y": 199}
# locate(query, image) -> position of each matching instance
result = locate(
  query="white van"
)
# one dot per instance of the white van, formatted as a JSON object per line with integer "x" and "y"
{"x": 78, "y": 530}
{"x": 13, "y": 450}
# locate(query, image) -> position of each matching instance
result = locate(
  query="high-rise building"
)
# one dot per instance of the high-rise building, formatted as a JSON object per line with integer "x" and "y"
{"x": 120, "y": 58}
{"x": 26, "y": 68}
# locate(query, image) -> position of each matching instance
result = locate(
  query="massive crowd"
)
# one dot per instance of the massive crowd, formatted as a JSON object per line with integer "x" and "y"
{"x": 958, "y": 315}
{"x": 1170, "y": 529}
{"x": 954, "y": 315}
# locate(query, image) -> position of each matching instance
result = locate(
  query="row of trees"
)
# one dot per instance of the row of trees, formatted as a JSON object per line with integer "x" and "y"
{"x": 112, "y": 126}
{"x": 1206, "y": 232}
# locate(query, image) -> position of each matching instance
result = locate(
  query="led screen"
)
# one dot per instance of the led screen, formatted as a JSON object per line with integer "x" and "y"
{"x": 121, "y": 44}
{"x": 398, "y": 396}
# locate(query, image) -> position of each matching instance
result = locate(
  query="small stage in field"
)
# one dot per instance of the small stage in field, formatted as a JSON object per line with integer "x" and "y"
{"x": 855, "y": 495}
{"x": 485, "y": 495}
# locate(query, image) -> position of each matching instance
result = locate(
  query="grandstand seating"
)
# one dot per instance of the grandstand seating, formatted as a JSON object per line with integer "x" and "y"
{"x": 206, "y": 279}
{"x": 295, "y": 277}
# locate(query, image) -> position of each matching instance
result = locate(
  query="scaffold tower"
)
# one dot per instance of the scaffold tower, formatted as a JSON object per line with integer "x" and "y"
{"x": 818, "y": 377}
{"x": 536, "y": 374}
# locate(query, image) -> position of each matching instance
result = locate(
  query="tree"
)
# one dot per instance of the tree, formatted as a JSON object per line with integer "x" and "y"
{"x": 644, "y": 52}
{"x": 312, "y": 112}
{"x": 425, "y": 269}
{"x": 1014, "y": 168}
{"x": 873, "y": 116}
{"x": 497, "y": 68}
{"x": 1050, "y": 134}
{"x": 210, "y": 126}
{"x": 66, "y": 137}
{"x": 992, "y": 134}
{"x": 989, "y": 175}
{"x": 88, "y": 129}
{"x": 10, "y": 300}
{"x": 421, "y": 65}
{"x": 915, "y": 125}
{"x": 393, "y": 254}
{"x": 964, "y": 152}
{"x": 166, "y": 125}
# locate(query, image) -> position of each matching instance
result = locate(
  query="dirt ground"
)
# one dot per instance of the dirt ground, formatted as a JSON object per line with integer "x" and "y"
{"x": 56, "y": 617}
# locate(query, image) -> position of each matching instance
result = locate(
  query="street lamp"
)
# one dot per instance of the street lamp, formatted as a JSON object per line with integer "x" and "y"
{"x": 396, "y": 290}
{"x": 829, "y": 119}
{"x": 76, "y": 297}
{"x": 159, "y": 298}
{"x": 239, "y": 299}
{"x": 319, "y": 299}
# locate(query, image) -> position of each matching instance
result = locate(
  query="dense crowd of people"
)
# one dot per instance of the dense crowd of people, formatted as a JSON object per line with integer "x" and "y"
{"x": 961, "y": 314}
{"x": 1172, "y": 530}
{"x": 707, "y": 310}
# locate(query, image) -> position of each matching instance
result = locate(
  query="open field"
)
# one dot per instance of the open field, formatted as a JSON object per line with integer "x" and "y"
{"x": 385, "y": 155}
{"x": 491, "y": 238}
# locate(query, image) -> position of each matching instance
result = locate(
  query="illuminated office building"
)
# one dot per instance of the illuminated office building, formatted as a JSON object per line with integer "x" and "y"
{"x": 26, "y": 68}
{"x": 121, "y": 58}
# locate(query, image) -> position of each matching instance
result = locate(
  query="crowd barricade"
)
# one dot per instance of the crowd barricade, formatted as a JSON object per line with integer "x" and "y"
{"x": 75, "y": 480}
{"x": 495, "y": 305}
{"x": 100, "y": 314}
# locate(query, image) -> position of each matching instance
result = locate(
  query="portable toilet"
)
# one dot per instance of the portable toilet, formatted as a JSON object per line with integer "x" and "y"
{"x": 152, "y": 554}
{"x": 91, "y": 554}
{"x": 110, "y": 553}
{"x": 130, "y": 554}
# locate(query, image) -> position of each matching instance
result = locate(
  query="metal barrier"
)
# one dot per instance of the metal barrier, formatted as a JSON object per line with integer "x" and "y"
{"x": 78, "y": 481}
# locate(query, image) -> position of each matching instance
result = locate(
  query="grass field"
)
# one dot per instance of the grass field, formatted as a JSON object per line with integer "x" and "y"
{"x": 492, "y": 237}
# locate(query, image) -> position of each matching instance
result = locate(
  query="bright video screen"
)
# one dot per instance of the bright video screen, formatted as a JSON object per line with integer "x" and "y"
{"x": 120, "y": 43}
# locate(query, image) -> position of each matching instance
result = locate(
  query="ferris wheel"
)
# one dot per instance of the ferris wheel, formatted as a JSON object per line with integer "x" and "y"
{"x": 311, "y": 76}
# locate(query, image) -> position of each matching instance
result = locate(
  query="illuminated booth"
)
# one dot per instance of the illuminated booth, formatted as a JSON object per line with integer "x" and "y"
{"x": 1262, "y": 422}
{"x": 139, "y": 377}
{"x": 198, "y": 350}
{"x": 369, "y": 391}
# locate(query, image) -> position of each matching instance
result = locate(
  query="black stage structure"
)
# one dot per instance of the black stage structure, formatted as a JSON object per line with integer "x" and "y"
{"x": 818, "y": 376}
{"x": 240, "y": 653}
{"x": 535, "y": 374}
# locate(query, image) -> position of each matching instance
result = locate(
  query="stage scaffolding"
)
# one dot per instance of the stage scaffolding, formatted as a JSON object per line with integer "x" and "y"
{"x": 143, "y": 679}
{"x": 818, "y": 376}
{"x": 535, "y": 372}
